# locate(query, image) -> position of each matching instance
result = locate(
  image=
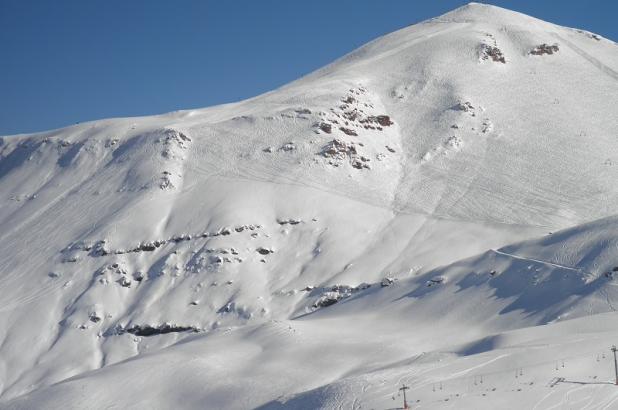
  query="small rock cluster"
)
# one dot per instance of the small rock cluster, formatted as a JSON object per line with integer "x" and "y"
{"x": 338, "y": 150}
{"x": 611, "y": 273}
{"x": 465, "y": 106}
{"x": 336, "y": 293}
{"x": 117, "y": 274}
{"x": 544, "y": 49}
{"x": 99, "y": 248}
{"x": 491, "y": 51}
{"x": 351, "y": 116}
{"x": 171, "y": 138}
{"x": 149, "y": 330}
{"x": 289, "y": 221}
{"x": 211, "y": 259}
{"x": 166, "y": 181}
{"x": 438, "y": 280}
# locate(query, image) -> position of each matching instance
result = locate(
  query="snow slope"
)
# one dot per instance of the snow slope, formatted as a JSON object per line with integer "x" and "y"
{"x": 232, "y": 257}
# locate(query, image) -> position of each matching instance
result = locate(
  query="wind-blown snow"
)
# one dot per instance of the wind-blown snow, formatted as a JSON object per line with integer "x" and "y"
{"x": 429, "y": 209}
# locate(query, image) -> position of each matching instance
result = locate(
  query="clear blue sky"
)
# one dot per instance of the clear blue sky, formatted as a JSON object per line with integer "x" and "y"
{"x": 63, "y": 62}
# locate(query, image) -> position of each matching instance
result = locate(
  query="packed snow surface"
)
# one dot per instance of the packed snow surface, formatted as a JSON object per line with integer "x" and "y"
{"x": 438, "y": 208}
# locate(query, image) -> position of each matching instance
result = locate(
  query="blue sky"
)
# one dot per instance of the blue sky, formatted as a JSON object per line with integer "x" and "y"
{"x": 63, "y": 62}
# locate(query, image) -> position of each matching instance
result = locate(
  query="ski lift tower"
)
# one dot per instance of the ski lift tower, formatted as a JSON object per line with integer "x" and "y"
{"x": 405, "y": 402}
{"x": 614, "y": 349}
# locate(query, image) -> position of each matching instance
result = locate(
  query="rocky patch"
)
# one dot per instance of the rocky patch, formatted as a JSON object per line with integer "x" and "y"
{"x": 438, "y": 280}
{"x": 211, "y": 259}
{"x": 115, "y": 273}
{"x": 289, "y": 221}
{"x": 325, "y": 127}
{"x": 172, "y": 140}
{"x": 100, "y": 248}
{"x": 465, "y": 106}
{"x": 337, "y": 151}
{"x": 493, "y": 53}
{"x": 348, "y": 131}
{"x": 489, "y": 50}
{"x": 149, "y": 330}
{"x": 166, "y": 183}
{"x": 288, "y": 147}
{"x": 335, "y": 293}
{"x": 542, "y": 49}
{"x": 353, "y": 115}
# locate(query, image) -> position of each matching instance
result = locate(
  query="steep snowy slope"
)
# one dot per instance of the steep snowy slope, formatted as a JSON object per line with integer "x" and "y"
{"x": 448, "y": 334}
{"x": 448, "y": 139}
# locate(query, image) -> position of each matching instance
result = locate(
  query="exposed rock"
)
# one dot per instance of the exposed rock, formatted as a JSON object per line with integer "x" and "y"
{"x": 148, "y": 330}
{"x": 290, "y": 146}
{"x": 94, "y": 317}
{"x": 148, "y": 247}
{"x": 348, "y": 131}
{"x": 454, "y": 142}
{"x": 465, "y": 106}
{"x": 336, "y": 293}
{"x": 111, "y": 142}
{"x": 338, "y": 149}
{"x": 383, "y": 120}
{"x": 358, "y": 164}
{"x": 289, "y": 221}
{"x": 544, "y": 49}
{"x": 435, "y": 281}
{"x": 326, "y": 127}
{"x": 493, "y": 53}
{"x": 327, "y": 299}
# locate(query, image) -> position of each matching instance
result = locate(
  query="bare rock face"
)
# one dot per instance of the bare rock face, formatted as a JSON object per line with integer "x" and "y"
{"x": 492, "y": 52}
{"x": 337, "y": 293}
{"x": 338, "y": 151}
{"x": 326, "y": 127}
{"x": 150, "y": 330}
{"x": 383, "y": 120}
{"x": 353, "y": 115}
{"x": 348, "y": 131}
{"x": 544, "y": 49}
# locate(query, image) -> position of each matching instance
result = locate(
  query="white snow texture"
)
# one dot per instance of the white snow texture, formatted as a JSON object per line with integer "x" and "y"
{"x": 438, "y": 208}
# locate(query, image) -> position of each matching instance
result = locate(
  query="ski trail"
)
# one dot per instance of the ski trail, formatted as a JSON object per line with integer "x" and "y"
{"x": 607, "y": 406}
{"x": 598, "y": 64}
{"x": 609, "y": 302}
{"x": 468, "y": 370}
{"x": 523, "y": 258}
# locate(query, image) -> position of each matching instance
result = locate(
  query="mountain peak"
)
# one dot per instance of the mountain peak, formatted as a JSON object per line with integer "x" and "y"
{"x": 488, "y": 13}
{"x": 418, "y": 184}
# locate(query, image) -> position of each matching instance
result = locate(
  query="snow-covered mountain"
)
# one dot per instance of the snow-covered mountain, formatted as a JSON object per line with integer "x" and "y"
{"x": 429, "y": 209}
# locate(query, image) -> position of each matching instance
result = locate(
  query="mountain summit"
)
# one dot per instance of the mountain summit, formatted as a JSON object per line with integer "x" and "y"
{"x": 411, "y": 213}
